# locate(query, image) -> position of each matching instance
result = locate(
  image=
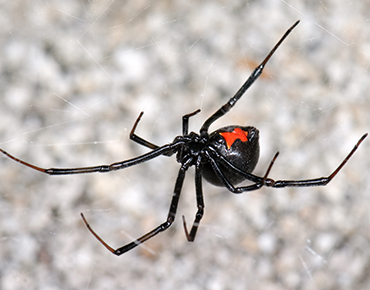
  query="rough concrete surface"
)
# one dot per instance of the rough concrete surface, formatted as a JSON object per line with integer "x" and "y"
{"x": 74, "y": 75}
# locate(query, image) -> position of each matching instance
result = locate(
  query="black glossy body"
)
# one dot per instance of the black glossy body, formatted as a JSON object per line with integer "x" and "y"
{"x": 242, "y": 154}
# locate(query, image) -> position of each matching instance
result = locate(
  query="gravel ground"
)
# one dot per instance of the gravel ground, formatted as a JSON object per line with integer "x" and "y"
{"x": 76, "y": 74}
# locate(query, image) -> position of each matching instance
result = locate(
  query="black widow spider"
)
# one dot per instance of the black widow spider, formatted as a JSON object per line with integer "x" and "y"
{"x": 224, "y": 158}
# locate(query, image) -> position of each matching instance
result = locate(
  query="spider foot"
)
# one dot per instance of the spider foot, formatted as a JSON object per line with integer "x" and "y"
{"x": 96, "y": 236}
{"x": 189, "y": 237}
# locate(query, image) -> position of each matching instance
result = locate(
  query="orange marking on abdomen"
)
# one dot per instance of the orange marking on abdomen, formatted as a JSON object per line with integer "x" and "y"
{"x": 230, "y": 137}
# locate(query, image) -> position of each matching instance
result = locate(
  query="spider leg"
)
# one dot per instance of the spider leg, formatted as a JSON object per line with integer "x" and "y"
{"x": 138, "y": 139}
{"x": 257, "y": 185}
{"x": 265, "y": 180}
{"x": 164, "y": 150}
{"x": 200, "y": 204}
{"x": 162, "y": 227}
{"x": 269, "y": 182}
{"x": 252, "y": 78}
{"x": 321, "y": 181}
{"x": 143, "y": 142}
{"x": 216, "y": 156}
{"x": 185, "y": 122}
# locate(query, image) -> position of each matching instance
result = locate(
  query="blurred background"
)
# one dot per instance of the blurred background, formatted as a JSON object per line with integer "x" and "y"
{"x": 74, "y": 76}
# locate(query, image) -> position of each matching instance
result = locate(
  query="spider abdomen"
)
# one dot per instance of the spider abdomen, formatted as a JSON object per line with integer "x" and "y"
{"x": 240, "y": 146}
